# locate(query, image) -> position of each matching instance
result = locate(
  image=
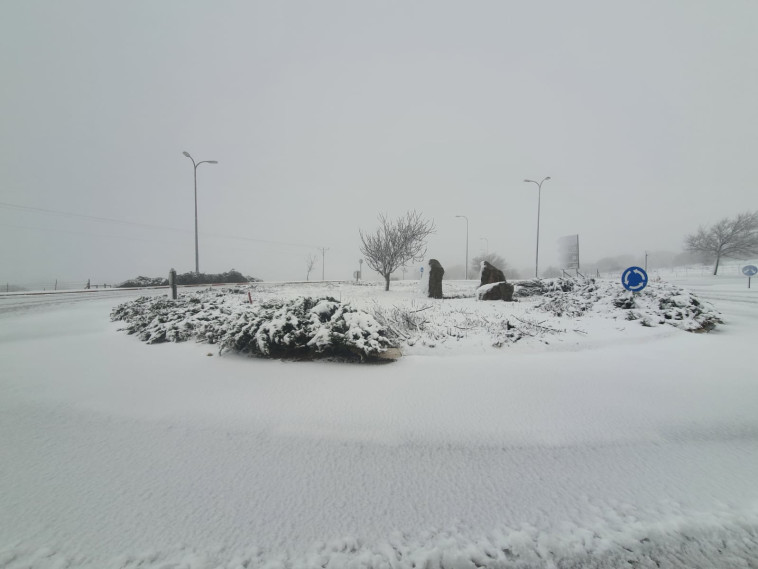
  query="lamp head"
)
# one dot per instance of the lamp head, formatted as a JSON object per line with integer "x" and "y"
{"x": 187, "y": 154}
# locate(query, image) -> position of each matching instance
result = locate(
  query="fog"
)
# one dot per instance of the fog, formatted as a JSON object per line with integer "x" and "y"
{"x": 323, "y": 115}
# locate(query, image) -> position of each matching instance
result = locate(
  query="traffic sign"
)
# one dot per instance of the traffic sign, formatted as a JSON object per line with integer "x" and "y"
{"x": 634, "y": 279}
{"x": 749, "y": 270}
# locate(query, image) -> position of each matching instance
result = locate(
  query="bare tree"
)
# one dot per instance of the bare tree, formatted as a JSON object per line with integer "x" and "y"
{"x": 396, "y": 243}
{"x": 492, "y": 258}
{"x": 731, "y": 237}
{"x": 310, "y": 262}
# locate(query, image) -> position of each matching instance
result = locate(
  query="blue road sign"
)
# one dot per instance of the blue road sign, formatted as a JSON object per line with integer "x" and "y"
{"x": 749, "y": 270}
{"x": 634, "y": 279}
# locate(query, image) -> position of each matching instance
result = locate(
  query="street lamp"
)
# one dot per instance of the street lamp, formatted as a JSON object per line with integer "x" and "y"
{"x": 196, "y": 164}
{"x": 539, "y": 195}
{"x": 466, "y": 218}
{"x": 486, "y": 245}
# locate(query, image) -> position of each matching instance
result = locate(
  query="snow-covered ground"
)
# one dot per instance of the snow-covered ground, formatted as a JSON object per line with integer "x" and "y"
{"x": 610, "y": 444}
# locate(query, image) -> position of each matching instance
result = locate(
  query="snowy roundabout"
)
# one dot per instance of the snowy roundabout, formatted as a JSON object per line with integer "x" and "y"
{"x": 573, "y": 428}
{"x": 260, "y": 321}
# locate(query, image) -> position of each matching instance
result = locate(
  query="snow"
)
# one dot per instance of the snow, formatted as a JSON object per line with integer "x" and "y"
{"x": 611, "y": 443}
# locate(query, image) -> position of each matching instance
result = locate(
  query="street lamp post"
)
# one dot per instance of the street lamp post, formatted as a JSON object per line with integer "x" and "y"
{"x": 466, "y": 218}
{"x": 195, "y": 165}
{"x": 539, "y": 195}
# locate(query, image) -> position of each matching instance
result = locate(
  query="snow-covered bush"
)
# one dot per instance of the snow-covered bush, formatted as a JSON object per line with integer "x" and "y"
{"x": 142, "y": 282}
{"x": 306, "y": 327}
{"x": 300, "y": 328}
{"x": 190, "y": 278}
{"x": 431, "y": 324}
{"x": 535, "y": 287}
{"x": 658, "y": 303}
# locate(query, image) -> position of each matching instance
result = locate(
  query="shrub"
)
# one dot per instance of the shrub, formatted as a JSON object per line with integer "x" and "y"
{"x": 301, "y": 328}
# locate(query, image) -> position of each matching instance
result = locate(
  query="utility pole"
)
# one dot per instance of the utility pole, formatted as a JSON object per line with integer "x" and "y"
{"x": 466, "y": 218}
{"x": 323, "y": 259}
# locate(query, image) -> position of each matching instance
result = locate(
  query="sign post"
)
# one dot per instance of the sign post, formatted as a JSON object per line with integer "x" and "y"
{"x": 749, "y": 271}
{"x": 172, "y": 282}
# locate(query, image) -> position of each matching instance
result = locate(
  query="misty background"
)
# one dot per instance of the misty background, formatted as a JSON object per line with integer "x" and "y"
{"x": 324, "y": 114}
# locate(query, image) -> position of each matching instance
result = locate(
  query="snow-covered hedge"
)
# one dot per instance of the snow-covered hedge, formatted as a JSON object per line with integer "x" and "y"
{"x": 190, "y": 278}
{"x": 656, "y": 304}
{"x": 300, "y": 328}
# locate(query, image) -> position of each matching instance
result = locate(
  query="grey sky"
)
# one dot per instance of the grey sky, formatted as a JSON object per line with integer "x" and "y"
{"x": 324, "y": 114}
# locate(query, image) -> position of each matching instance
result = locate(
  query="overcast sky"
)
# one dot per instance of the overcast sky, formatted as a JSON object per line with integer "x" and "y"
{"x": 324, "y": 114}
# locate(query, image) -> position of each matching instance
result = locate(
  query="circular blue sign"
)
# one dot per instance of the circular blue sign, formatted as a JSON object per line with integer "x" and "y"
{"x": 749, "y": 270}
{"x": 634, "y": 279}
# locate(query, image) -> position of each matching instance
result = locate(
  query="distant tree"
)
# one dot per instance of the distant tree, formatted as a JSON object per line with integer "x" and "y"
{"x": 734, "y": 238}
{"x": 395, "y": 243}
{"x": 310, "y": 262}
{"x": 191, "y": 278}
{"x": 492, "y": 258}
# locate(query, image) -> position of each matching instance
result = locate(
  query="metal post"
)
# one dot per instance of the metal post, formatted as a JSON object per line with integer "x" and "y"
{"x": 539, "y": 199}
{"x": 195, "y": 165}
{"x": 466, "y": 218}
{"x": 323, "y": 260}
{"x": 172, "y": 282}
{"x": 537, "y": 255}
{"x": 197, "y": 249}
